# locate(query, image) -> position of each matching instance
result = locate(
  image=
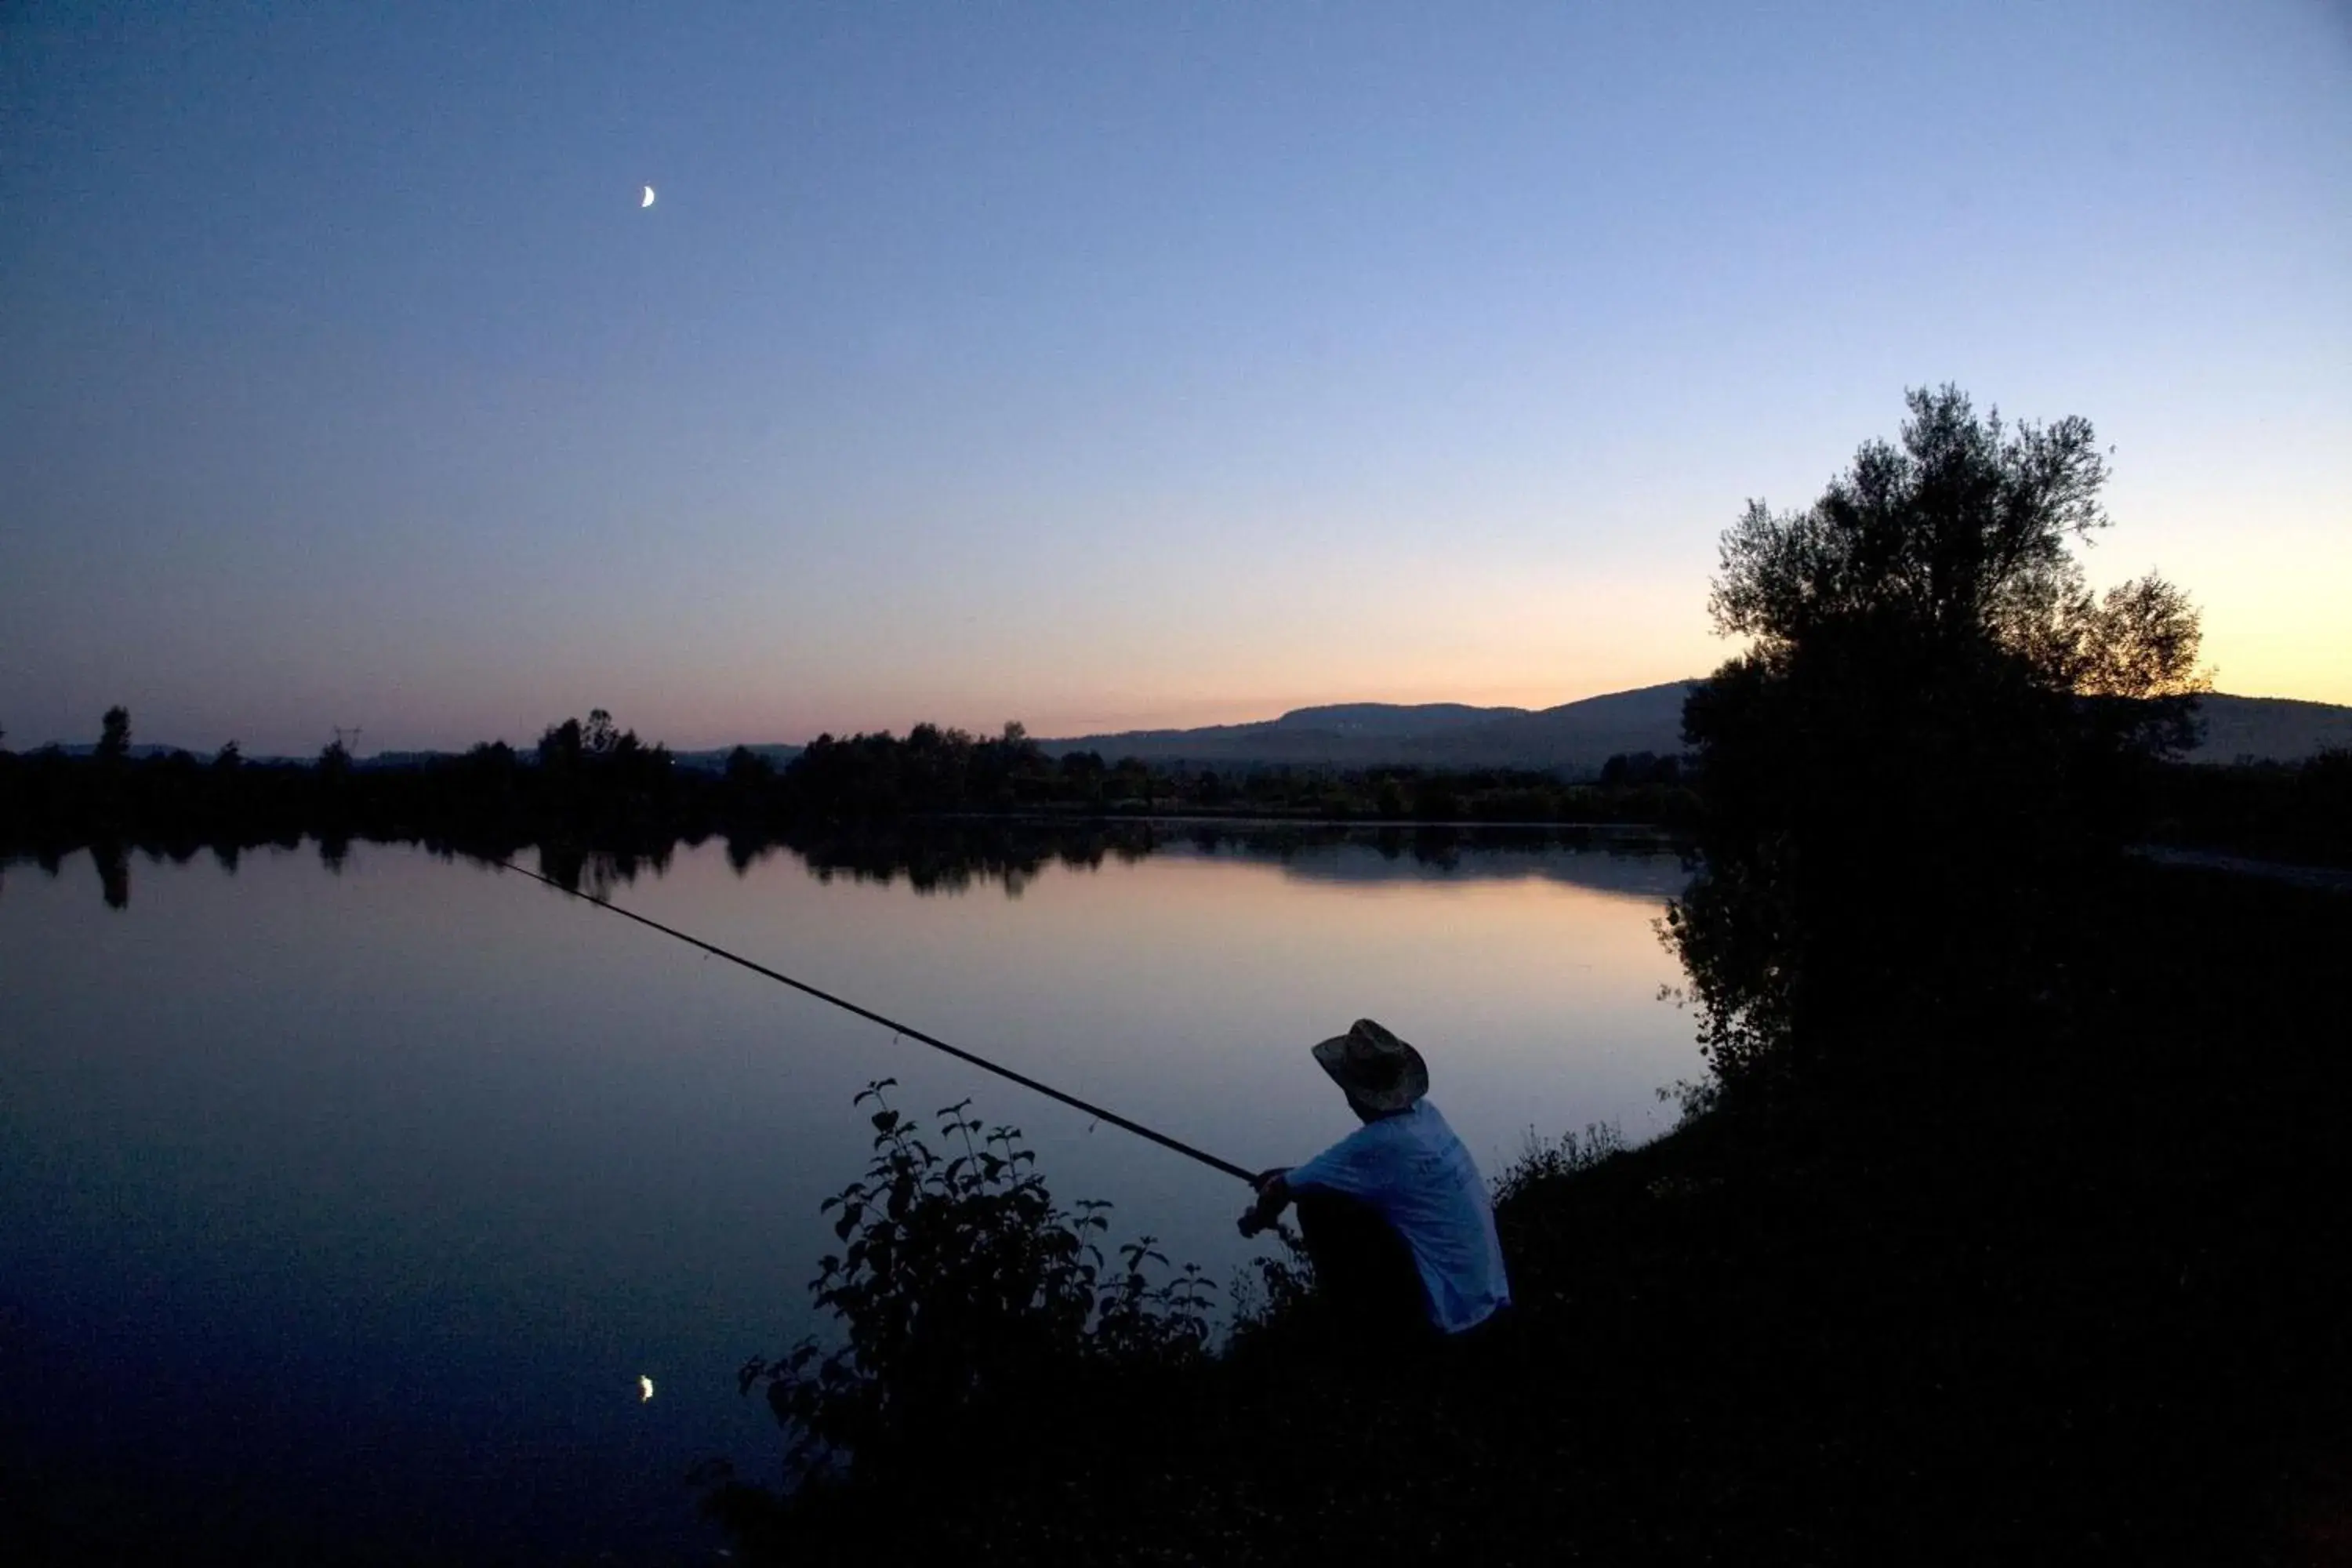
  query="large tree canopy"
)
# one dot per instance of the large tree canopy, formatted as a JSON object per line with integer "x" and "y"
{"x": 1929, "y": 740}
{"x": 1962, "y": 534}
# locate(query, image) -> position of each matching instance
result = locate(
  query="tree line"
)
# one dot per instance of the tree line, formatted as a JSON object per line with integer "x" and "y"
{"x": 591, "y": 784}
{"x": 938, "y": 770}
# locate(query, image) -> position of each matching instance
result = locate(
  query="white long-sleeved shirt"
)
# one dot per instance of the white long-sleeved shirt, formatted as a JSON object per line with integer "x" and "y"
{"x": 1414, "y": 1172}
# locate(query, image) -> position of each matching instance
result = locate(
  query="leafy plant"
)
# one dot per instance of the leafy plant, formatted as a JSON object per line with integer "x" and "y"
{"x": 968, "y": 1298}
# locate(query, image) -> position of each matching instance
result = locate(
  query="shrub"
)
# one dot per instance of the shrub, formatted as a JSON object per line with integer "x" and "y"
{"x": 970, "y": 1303}
{"x": 1544, "y": 1158}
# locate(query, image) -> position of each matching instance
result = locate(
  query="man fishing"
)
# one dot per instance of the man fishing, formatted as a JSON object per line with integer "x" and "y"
{"x": 1394, "y": 1215}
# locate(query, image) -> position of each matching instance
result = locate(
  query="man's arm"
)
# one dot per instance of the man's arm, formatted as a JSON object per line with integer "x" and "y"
{"x": 1272, "y": 1197}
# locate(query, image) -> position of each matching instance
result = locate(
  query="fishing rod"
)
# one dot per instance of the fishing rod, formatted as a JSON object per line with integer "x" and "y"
{"x": 1024, "y": 1079}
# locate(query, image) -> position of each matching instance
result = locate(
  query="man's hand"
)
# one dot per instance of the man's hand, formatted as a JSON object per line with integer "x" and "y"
{"x": 1272, "y": 1197}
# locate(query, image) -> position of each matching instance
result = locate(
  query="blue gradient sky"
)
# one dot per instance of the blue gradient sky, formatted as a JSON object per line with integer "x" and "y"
{"x": 1102, "y": 365}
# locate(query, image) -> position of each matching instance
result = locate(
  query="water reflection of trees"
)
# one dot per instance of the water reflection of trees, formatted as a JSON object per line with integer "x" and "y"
{"x": 599, "y": 873}
{"x": 113, "y": 873}
{"x": 957, "y": 855}
{"x": 954, "y": 856}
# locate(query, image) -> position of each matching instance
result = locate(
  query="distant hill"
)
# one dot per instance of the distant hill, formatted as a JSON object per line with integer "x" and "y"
{"x": 1574, "y": 738}
{"x": 2270, "y": 729}
{"x": 1386, "y": 720}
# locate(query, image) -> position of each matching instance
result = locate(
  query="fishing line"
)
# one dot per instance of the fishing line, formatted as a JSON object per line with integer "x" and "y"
{"x": 896, "y": 1028}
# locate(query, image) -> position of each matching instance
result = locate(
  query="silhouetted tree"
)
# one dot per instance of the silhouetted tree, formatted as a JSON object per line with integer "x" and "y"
{"x": 600, "y": 735}
{"x": 1919, "y": 752}
{"x": 560, "y": 744}
{"x": 1631, "y": 770}
{"x": 1434, "y": 800}
{"x": 747, "y": 769}
{"x": 114, "y": 735}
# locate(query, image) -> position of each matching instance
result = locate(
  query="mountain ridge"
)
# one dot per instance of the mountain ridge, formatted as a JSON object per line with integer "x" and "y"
{"x": 1571, "y": 740}
{"x": 1574, "y": 738}
{"x": 1571, "y": 737}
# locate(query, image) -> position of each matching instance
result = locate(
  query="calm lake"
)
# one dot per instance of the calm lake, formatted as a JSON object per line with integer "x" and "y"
{"x": 360, "y": 1198}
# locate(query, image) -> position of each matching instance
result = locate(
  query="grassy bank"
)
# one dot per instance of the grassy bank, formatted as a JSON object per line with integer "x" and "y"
{"x": 2089, "y": 1308}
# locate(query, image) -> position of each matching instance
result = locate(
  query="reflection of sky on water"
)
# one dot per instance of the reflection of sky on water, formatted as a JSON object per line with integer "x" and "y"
{"x": 392, "y": 1183}
{"x": 1636, "y": 866}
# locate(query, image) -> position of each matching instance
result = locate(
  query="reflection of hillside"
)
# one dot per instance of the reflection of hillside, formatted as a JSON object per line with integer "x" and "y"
{"x": 950, "y": 855}
{"x": 953, "y": 855}
{"x": 1642, "y": 867}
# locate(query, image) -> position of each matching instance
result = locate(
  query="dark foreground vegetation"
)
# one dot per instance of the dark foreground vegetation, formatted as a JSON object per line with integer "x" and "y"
{"x": 2006, "y": 1227}
{"x": 2296, "y": 813}
{"x": 2095, "y": 1311}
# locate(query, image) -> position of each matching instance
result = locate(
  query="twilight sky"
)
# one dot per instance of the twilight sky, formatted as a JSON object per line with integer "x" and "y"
{"x": 1102, "y": 366}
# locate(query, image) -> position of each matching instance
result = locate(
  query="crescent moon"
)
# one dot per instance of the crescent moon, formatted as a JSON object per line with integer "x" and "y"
{"x": 649, "y": 199}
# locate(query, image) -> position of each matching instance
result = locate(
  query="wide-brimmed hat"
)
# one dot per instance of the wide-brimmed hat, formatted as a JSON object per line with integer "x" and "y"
{"x": 1373, "y": 1068}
